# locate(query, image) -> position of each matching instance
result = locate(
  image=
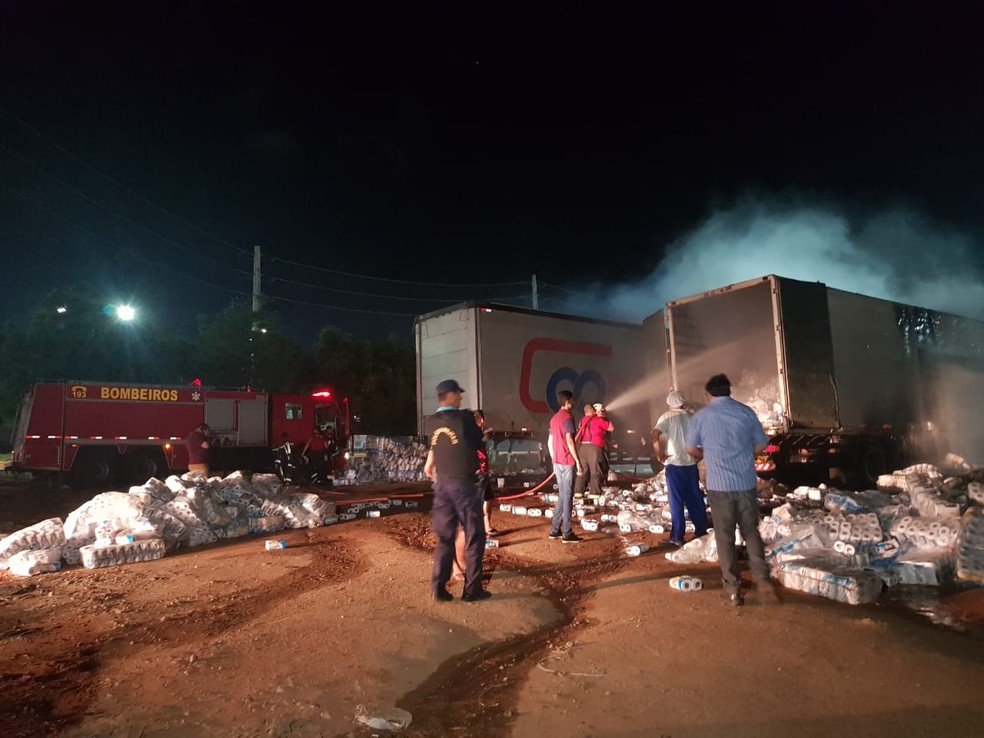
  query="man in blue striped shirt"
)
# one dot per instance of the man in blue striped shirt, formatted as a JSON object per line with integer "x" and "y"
{"x": 727, "y": 435}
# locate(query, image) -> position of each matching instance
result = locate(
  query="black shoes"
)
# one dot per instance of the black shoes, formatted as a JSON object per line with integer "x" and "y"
{"x": 734, "y": 599}
{"x": 482, "y": 594}
{"x": 554, "y": 534}
{"x": 441, "y": 595}
{"x": 571, "y": 538}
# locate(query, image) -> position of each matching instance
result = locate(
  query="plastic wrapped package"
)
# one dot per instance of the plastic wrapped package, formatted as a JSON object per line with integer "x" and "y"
{"x": 802, "y": 536}
{"x": 236, "y": 529}
{"x": 199, "y": 535}
{"x": 173, "y": 530}
{"x": 930, "y": 503}
{"x": 105, "y": 506}
{"x": 695, "y": 551}
{"x": 158, "y": 491}
{"x": 129, "y": 553}
{"x": 925, "y": 532}
{"x": 266, "y": 485}
{"x": 294, "y": 515}
{"x": 819, "y": 577}
{"x": 975, "y": 493}
{"x": 314, "y": 504}
{"x": 176, "y": 484}
{"x": 35, "y": 561}
{"x": 630, "y": 521}
{"x": 969, "y": 551}
{"x": 48, "y": 533}
{"x": 841, "y": 502}
{"x": 266, "y": 524}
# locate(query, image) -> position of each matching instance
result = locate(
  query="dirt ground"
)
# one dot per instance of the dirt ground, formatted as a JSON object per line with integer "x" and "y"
{"x": 233, "y": 640}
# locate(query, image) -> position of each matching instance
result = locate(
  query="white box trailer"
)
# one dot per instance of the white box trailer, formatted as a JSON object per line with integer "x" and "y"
{"x": 512, "y": 361}
{"x": 841, "y": 381}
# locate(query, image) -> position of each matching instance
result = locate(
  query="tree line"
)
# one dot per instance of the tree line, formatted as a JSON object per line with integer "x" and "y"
{"x": 233, "y": 348}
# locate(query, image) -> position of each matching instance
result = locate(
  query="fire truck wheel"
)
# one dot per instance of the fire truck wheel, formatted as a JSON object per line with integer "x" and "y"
{"x": 141, "y": 467}
{"x": 92, "y": 470}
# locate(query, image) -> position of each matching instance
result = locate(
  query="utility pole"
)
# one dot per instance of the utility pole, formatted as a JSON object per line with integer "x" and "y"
{"x": 256, "y": 279}
{"x": 256, "y": 313}
{"x": 536, "y": 296}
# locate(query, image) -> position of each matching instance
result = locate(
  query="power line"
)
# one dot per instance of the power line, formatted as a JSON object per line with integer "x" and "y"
{"x": 199, "y": 229}
{"x": 378, "y": 296}
{"x": 122, "y": 186}
{"x": 109, "y": 210}
{"x": 396, "y": 281}
{"x": 96, "y": 236}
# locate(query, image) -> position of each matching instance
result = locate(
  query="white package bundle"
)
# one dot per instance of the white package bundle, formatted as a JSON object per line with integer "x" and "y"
{"x": 128, "y": 553}
{"x": 630, "y": 521}
{"x": 158, "y": 491}
{"x": 970, "y": 546}
{"x": 314, "y": 504}
{"x": 173, "y": 529}
{"x": 199, "y": 535}
{"x": 926, "y": 533}
{"x": 930, "y": 503}
{"x": 820, "y": 577}
{"x": 37, "y": 561}
{"x": 696, "y": 551}
{"x": 48, "y": 533}
{"x": 266, "y": 484}
{"x": 266, "y": 524}
{"x": 176, "y": 484}
{"x": 294, "y": 515}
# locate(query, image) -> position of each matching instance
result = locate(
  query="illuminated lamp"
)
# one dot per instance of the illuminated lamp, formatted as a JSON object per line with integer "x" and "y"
{"x": 321, "y": 393}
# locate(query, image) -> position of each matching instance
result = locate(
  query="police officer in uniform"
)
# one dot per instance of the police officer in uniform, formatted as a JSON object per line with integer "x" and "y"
{"x": 452, "y": 462}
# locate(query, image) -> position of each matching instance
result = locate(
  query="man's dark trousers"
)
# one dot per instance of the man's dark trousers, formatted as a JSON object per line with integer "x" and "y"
{"x": 729, "y": 509}
{"x": 456, "y": 502}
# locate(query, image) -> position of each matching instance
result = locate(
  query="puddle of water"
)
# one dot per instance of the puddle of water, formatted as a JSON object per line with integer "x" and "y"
{"x": 935, "y": 605}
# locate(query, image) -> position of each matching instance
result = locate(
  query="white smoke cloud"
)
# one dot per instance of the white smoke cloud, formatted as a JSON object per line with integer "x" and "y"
{"x": 896, "y": 254}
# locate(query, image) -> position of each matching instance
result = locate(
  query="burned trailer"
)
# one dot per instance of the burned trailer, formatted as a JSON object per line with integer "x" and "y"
{"x": 847, "y": 386}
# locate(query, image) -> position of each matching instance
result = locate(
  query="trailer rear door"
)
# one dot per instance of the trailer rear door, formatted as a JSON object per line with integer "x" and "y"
{"x": 731, "y": 330}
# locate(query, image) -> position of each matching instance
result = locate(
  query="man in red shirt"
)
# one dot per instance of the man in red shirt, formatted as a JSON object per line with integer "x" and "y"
{"x": 591, "y": 449}
{"x": 563, "y": 451}
{"x": 197, "y": 445}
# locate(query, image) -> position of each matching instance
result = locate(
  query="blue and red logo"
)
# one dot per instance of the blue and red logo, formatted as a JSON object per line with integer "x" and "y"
{"x": 586, "y": 383}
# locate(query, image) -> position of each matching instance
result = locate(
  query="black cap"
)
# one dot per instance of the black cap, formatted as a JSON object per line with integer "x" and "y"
{"x": 449, "y": 385}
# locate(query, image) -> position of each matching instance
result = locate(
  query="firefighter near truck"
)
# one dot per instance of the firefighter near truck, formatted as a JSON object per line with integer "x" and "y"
{"x": 97, "y": 433}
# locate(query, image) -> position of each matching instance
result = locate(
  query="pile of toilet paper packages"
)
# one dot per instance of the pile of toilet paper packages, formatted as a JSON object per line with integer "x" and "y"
{"x": 153, "y": 519}
{"x": 916, "y": 528}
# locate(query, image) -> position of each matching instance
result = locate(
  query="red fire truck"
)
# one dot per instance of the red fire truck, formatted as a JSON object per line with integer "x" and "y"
{"x": 103, "y": 432}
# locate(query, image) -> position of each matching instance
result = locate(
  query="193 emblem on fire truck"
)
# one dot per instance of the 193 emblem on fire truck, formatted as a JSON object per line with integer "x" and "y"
{"x": 78, "y": 392}
{"x": 196, "y": 396}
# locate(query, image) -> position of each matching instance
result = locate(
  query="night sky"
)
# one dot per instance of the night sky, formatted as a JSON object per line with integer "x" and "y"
{"x": 385, "y": 151}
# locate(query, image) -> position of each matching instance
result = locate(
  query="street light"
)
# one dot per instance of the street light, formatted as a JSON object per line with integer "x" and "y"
{"x": 126, "y": 313}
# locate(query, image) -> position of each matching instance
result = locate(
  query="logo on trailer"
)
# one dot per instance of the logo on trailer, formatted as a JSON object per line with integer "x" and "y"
{"x": 579, "y": 381}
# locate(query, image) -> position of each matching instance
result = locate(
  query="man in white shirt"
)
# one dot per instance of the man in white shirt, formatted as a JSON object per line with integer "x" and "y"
{"x": 682, "y": 482}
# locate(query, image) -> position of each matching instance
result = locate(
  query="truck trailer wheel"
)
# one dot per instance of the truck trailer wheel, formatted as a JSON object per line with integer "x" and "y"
{"x": 874, "y": 464}
{"x": 92, "y": 470}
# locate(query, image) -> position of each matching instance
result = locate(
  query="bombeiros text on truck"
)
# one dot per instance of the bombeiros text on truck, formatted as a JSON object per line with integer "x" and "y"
{"x": 100, "y": 432}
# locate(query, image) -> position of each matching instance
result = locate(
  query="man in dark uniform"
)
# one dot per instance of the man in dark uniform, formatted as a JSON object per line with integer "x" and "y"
{"x": 451, "y": 462}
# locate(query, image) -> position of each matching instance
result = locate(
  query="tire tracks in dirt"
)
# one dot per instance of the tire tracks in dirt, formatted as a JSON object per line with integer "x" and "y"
{"x": 476, "y": 692}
